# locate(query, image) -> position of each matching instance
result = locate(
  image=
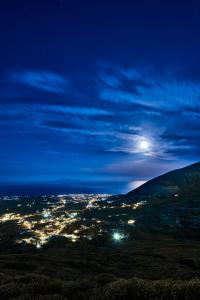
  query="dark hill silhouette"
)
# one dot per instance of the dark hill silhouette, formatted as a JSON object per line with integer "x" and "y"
{"x": 184, "y": 181}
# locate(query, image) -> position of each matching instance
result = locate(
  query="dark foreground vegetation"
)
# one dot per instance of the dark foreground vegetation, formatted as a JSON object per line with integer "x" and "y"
{"x": 34, "y": 286}
{"x": 150, "y": 267}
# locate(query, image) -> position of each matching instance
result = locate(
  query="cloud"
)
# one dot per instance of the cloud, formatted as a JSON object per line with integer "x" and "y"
{"x": 108, "y": 120}
{"x": 77, "y": 110}
{"x": 61, "y": 124}
{"x": 145, "y": 87}
{"x": 153, "y": 106}
{"x": 142, "y": 168}
{"x": 43, "y": 80}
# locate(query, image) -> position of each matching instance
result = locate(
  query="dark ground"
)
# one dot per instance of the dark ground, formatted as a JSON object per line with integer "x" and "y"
{"x": 89, "y": 270}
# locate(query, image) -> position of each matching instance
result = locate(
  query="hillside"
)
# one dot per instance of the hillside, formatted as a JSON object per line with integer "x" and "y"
{"x": 143, "y": 245}
{"x": 184, "y": 181}
{"x": 168, "y": 203}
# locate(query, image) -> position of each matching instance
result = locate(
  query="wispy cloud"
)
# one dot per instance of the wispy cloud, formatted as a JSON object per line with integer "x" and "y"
{"x": 76, "y": 110}
{"x": 145, "y": 87}
{"x": 125, "y": 107}
{"x": 158, "y": 105}
{"x": 43, "y": 80}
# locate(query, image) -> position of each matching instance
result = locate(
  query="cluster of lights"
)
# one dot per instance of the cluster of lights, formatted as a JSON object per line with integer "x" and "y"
{"x": 138, "y": 204}
{"x": 10, "y": 217}
{"x": 56, "y": 220}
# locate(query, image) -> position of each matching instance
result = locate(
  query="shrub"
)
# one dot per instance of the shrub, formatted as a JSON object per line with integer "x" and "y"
{"x": 139, "y": 289}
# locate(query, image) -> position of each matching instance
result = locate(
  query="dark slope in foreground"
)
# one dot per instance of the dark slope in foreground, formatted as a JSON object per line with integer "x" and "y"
{"x": 185, "y": 181}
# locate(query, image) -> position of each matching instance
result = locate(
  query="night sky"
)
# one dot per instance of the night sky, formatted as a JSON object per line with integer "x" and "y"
{"x": 97, "y": 96}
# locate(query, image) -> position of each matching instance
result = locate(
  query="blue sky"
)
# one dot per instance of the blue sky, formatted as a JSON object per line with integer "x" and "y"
{"x": 97, "y": 96}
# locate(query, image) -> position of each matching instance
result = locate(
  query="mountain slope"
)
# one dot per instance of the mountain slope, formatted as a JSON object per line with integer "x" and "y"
{"x": 184, "y": 181}
{"x": 168, "y": 203}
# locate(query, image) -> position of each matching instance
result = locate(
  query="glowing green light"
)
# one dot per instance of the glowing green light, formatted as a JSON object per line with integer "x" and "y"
{"x": 118, "y": 236}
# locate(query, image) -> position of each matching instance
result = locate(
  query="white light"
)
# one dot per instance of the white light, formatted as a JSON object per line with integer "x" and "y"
{"x": 131, "y": 222}
{"x": 46, "y": 214}
{"x": 117, "y": 236}
{"x": 144, "y": 145}
{"x": 38, "y": 246}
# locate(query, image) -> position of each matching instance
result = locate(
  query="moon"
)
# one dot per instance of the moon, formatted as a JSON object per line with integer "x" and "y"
{"x": 144, "y": 145}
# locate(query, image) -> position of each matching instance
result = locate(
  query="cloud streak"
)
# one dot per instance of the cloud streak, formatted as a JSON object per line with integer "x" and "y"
{"x": 43, "y": 80}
